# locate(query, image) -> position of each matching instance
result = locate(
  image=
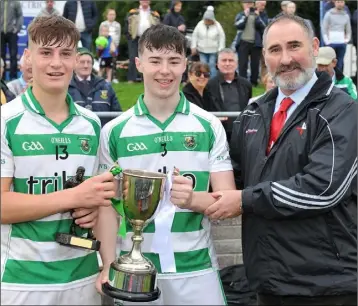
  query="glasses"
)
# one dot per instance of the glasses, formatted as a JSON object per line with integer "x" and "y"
{"x": 205, "y": 74}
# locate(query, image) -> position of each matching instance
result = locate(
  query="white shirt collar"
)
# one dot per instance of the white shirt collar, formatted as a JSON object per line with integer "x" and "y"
{"x": 299, "y": 95}
{"x": 81, "y": 79}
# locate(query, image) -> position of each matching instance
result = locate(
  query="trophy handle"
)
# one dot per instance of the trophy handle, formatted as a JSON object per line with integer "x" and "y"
{"x": 118, "y": 175}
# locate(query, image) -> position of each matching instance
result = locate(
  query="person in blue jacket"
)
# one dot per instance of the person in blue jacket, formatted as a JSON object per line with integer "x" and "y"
{"x": 91, "y": 91}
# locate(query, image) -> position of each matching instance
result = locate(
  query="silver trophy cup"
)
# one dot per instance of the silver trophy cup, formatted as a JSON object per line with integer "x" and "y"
{"x": 132, "y": 277}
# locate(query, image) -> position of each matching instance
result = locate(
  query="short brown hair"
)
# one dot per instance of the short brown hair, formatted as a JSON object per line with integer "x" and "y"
{"x": 53, "y": 30}
{"x": 161, "y": 37}
{"x": 199, "y": 66}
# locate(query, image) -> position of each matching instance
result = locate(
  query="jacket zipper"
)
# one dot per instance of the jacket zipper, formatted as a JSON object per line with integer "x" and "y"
{"x": 333, "y": 244}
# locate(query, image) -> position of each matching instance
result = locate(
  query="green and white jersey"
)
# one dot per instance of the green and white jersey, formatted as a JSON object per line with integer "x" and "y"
{"x": 40, "y": 155}
{"x": 192, "y": 140}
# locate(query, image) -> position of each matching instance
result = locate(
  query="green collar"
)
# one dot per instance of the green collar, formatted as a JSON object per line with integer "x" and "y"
{"x": 141, "y": 109}
{"x": 32, "y": 104}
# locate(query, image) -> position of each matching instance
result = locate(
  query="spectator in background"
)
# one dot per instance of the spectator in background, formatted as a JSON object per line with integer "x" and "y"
{"x": 250, "y": 24}
{"x": 84, "y": 15}
{"x": 330, "y": 4}
{"x": 208, "y": 39}
{"x": 284, "y": 6}
{"x": 137, "y": 21}
{"x": 174, "y": 18}
{"x": 195, "y": 90}
{"x": 337, "y": 31}
{"x": 327, "y": 61}
{"x": 90, "y": 91}
{"x": 11, "y": 21}
{"x": 354, "y": 29}
{"x": 229, "y": 92}
{"x": 268, "y": 83}
{"x": 260, "y": 6}
{"x": 49, "y": 9}
{"x": 114, "y": 32}
{"x": 107, "y": 54}
{"x": 291, "y": 10}
{"x": 5, "y": 94}
{"x": 18, "y": 86}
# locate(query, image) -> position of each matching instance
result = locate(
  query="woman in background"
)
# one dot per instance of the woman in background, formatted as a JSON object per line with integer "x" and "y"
{"x": 268, "y": 82}
{"x": 195, "y": 91}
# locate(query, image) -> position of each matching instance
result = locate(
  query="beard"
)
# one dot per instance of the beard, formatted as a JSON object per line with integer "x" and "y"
{"x": 291, "y": 82}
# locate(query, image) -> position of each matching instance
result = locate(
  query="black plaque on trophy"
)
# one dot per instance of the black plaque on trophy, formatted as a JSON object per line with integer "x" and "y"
{"x": 72, "y": 238}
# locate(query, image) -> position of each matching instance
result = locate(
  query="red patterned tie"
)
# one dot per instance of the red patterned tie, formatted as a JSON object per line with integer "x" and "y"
{"x": 278, "y": 121}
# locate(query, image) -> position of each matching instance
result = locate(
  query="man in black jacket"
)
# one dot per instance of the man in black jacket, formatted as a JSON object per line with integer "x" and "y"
{"x": 229, "y": 92}
{"x": 294, "y": 153}
{"x": 84, "y": 14}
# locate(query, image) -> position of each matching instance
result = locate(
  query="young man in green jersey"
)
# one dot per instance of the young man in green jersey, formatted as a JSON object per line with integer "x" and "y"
{"x": 162, "y": 131}
{"x": 45, "y": 137}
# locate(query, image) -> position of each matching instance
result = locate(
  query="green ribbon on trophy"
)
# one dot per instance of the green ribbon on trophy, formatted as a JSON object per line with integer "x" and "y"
{"x": 118, "y": 204}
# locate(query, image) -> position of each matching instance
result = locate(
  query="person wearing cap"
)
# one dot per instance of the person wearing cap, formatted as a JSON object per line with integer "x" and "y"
{"x": 208, "y": 39}
{"x": 91, "y": 91}
{"x": 327, "y": 61}
{"x": 5, "y": 94}
{"x": 250, "y": 24}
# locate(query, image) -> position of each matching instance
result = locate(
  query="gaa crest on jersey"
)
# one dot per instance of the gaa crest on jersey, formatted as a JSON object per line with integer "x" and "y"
{"x": 104, "y": 94}
{"x": 190, "y": 142}
{"x": 85, "y": 145}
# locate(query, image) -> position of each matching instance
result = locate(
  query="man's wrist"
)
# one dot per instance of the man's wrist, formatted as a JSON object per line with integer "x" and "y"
{"x": 241, "y": 209}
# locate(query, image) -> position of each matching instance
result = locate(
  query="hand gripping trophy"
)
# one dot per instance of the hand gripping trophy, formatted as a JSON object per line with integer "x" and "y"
{"x": 132, "y": 277}
{"x": 74, "y": 237}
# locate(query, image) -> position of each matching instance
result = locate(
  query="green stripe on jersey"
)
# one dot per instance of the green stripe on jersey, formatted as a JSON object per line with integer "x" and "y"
{"x": 46, "y": 273}
{"x": 149, "y": 144}
{"x": 190, "y": 261}
{"x": 43, "y": 231}
{"x": 31, "y": 144}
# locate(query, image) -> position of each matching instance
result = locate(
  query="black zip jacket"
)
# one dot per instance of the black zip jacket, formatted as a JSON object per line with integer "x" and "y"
{"x": 299, "y": 231}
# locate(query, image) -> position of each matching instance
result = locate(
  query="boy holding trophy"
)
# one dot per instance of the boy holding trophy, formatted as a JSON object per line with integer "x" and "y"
{"x": 45, "y": 139}
{"x": 164, "y": 131}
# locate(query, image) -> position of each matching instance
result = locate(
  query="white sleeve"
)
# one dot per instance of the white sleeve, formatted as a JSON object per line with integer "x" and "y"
{"x": 219, "y": 154}
{"x": 107, "y": 150}
{"x": 7, "y": 158}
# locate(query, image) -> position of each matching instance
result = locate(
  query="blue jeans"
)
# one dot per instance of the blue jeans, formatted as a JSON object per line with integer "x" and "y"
{"x": 340, "y": 52}
{"x": 86, "y": 40}
{"x": 210, "y": 59}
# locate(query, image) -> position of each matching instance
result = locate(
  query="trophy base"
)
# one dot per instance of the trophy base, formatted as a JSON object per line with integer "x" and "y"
{"x": 132, "y": 282}
{"x": 128, "y": 296}
{"x": 78, "y": 242}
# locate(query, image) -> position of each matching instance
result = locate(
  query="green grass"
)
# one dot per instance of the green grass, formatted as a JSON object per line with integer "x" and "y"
{"x": 127, "y": 94}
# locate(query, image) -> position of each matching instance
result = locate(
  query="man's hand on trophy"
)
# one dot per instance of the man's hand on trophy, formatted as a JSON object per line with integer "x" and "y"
{"x": 181, "y": 193}
{"x": 95, "y": 191}
{"x": 86, "y": 217}
{"x": 102, "y": 278}
{"x": 228, "y": 205}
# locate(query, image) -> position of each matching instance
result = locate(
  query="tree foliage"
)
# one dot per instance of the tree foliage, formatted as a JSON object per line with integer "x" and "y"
{"x": 225, "y": 13}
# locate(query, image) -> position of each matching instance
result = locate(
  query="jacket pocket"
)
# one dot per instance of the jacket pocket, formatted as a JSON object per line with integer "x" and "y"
{"x": 331, "y": 238}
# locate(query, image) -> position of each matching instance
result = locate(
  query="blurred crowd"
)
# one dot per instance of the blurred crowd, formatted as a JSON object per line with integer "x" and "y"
{"x": 217, "y": 78}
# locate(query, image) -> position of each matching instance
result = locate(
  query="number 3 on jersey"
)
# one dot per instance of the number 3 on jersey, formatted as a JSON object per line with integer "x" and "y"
{"x": 61, "y": 152}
